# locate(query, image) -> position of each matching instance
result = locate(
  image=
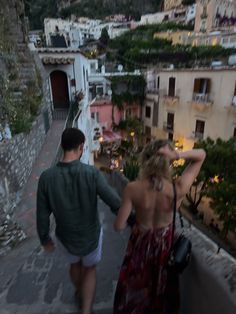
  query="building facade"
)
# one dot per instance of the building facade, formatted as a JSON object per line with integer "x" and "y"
{"x": 172, "y": 4}
{"x": 215, "y": 15}
{"x": 191, "y": 106}
{"x": 74, "y": 34}
{"x": 67, "y": 71}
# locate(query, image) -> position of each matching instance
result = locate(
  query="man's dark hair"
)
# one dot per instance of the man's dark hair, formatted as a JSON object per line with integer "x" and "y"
{"x": 71, "y": 139}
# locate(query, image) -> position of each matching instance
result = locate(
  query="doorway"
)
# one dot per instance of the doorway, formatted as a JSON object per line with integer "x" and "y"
{"x": 60, "y": 92}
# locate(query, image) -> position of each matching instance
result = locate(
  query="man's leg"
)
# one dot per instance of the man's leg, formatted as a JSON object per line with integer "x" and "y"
{"x": 76, "y": 277}
{"x": 88, "y": 288}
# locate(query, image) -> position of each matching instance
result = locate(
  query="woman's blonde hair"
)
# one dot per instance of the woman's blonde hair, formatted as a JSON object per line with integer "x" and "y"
{"x": 155, "y": 166}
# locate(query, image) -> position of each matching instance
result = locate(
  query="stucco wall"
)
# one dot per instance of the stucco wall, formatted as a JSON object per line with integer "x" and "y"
{"x": 219, "y": 119}
{"x": 104, "y": 108}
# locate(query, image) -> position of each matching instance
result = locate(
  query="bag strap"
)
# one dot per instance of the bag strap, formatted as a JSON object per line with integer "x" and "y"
{"x": 174, "y": 214}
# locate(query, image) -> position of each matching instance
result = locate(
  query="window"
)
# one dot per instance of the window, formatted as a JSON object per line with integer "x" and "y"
{"x": 234, "y": 96}
{"x": 234, "y": 132}
{"x": 155, "y": 113}
{"x": 158, "y": 82}
{"x": 84, "y": 78}
{"x": 202, "y": 85}
{"x": 170, "y": 121}
{"x": 99, "y": 90}
{"x": 171, "y": 91}
{"x": 147, "y": 130}
{"x": 170, "y": 136}
{"x": 95, "y": 116}
{"x": 148, "y": 112}
{"x": 148, "y": 134}
{"x": 128, "y": 112}
{"x": 199, "y": 129}
{"x": 201, "y": 90}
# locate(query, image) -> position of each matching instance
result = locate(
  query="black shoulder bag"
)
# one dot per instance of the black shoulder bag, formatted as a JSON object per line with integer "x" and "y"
{"x": 181, "y": 246}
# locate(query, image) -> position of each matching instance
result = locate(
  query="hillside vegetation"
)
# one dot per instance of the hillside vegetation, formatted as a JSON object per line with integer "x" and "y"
{"x": 37, "y": 10}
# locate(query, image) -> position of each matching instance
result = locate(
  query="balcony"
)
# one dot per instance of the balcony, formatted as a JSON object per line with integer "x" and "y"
{"x": 168, "y": 127}
{"x": 232, "y": 108}
{"x": 171, "y": 101}
{"x": 197, "y": 135}
{"x": 201, "y": 102}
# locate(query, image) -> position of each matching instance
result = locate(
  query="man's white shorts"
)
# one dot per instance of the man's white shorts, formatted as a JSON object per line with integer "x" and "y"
{"x": 89, "y": 260}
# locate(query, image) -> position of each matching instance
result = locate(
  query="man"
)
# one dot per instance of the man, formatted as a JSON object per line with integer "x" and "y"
{"x": 69, "y": 190}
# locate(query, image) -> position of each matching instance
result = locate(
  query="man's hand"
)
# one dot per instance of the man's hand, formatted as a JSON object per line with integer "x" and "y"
{"x": 49, "y": 247}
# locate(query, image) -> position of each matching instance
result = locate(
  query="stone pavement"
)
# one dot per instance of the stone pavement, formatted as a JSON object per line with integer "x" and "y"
{"x": 33, "y": 282}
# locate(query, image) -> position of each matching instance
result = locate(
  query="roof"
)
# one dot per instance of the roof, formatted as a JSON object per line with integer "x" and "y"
{"x": 59, "y": 50}
{"x": 110, "y": 136}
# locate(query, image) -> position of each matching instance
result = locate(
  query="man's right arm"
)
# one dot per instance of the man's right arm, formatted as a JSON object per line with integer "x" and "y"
{"x": 43, "y": 213}
{"x": 107, "y": 193}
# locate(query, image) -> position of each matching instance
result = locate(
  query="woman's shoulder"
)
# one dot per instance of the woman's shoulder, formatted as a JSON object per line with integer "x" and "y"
{"x": 138, "y": 186}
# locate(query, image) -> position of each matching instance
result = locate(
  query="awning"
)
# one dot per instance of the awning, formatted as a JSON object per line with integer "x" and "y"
{"x": 56, "y": 60}
{"x": 110, "y": 136}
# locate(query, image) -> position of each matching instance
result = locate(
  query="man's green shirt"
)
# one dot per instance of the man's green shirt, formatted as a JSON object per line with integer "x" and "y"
{"x": 69, "y": 191}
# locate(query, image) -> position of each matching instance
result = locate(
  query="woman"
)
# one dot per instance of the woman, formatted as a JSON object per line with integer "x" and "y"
{"x": 145, "y": 286}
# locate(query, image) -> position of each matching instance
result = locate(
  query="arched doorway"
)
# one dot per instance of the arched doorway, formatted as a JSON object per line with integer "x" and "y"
{"x": 60, "y": 92}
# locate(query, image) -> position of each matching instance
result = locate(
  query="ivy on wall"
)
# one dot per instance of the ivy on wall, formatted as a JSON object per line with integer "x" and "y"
{"x": 18, "y": 106}
{"x": 128, "y": 89}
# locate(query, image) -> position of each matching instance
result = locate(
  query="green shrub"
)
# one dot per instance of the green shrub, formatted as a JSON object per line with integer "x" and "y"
{"x": 131, "y": 169}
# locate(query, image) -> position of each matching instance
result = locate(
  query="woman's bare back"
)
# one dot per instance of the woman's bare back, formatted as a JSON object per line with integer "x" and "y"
{"x": 154, "y": 209}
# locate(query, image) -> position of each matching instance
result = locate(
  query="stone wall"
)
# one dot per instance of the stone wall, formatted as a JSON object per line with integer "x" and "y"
{"x": 18, "y": 154}
{"x": 18, "y": 66}
{"x": 17, "y": 157}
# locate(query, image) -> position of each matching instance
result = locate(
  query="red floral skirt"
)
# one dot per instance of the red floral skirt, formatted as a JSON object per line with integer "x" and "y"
{"x": 145, "y": 286}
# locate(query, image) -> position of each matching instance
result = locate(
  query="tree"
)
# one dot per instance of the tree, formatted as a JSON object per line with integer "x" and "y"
{"x": 222, "y": 190}
{"x": 104, "y": 39}
{"x": 217, "y": 165}
{"x": 223, "y": 202}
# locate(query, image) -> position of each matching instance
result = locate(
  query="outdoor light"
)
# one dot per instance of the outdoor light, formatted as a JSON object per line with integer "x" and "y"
{"x": 100, "y": 139}
{"x": 132, "y": 133}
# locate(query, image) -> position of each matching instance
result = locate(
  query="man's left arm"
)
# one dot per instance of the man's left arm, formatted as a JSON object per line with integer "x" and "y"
{"x": 43, "y": 213}
{"x": 107, "y": 193}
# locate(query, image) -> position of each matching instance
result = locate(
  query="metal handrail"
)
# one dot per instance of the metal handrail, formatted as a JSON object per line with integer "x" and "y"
{"x": 72, "y": 113}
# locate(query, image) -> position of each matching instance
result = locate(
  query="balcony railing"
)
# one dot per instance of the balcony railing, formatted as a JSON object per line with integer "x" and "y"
{"x": 201, "y": 97}
{"x": 197, "y": 135}
{"x": 201, "y": 102}
{"x": 231, "y": 108}
{"x": 171, "y": 101}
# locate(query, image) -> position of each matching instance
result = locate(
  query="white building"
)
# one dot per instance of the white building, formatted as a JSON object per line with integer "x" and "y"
{"x": 68, "y": 72}
{"x": 190, "y": 14}
{"x": 183, "y": 14}
{"x": 35, "y": 37}
{"x": 71, "y": 32}
{"x": 155, "y": 18}
{"x": 75, "y": 34}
